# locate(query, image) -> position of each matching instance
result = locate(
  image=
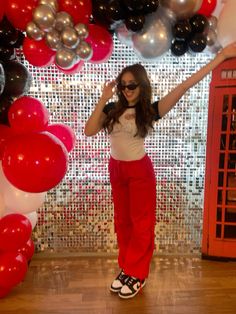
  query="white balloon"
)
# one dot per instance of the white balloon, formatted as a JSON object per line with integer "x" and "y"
{"x": 22, "y": 202}
{"x": 17, "y": 201}
{"x": 219, "y": 7}
{"x": 124, "y": 35}
{"x": 33, "y": 218}
{"x": 2, "y": 178}
{"x": 2, "y": 206}
{"x": 226, "y": 28}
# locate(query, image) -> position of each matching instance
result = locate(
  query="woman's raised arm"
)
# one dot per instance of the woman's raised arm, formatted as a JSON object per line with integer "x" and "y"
{"x": 168, "y": 102}
{"x": 95, "y": 121}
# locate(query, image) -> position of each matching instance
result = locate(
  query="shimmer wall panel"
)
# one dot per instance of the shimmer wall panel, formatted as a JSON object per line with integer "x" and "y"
{"x": 77, "y": 215}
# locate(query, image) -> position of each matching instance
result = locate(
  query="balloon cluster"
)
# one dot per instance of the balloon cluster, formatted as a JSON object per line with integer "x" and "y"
{"x": 15, "y": 79}
{"x": 60, "y": 34}
{"x": 179, "y": 25}
{"x": 33, "y": 159}
{"x": 10, "y": 38}
{"x": 16, "y": 250}
{"x": 34, "y": 153}
{"x": 188, "y": 34}
{"x": 131, "y": 12}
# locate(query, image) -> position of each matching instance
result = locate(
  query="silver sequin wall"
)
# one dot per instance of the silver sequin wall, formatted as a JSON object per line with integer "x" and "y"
{"x": 77, "y": 215}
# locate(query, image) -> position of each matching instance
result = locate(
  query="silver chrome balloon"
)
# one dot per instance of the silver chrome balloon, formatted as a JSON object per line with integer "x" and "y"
{"x": 2, "y": 79}
{"x": 212, "y": 22}
{"x": 69, "y": 37}
{"x": 53, "y": 39}
{"x": 154, "y": 39}
{"x": 82, "y": 30}
{"x": 182, "y": 8}
{"x": 44, "y": 17}
{"x": 52, "y": 3}
{"x": 65, "y": 58}
{"x": 84, "y": 51}
{"x": 34, "y": 32}
{"x": 211, "y": 37}
{"x": 63, "y": 19}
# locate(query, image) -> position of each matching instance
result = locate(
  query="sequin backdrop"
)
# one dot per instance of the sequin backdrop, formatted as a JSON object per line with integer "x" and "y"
{"x": 77, "y": 215}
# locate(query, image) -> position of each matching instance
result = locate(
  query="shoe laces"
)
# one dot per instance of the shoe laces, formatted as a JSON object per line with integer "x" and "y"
{"x": 122, "y": 276}
{"x": 131, "y": 281}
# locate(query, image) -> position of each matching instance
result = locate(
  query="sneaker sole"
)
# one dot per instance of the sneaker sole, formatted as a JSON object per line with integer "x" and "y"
{"x": 132, "y": 295}
{"x": 115, "y": 290}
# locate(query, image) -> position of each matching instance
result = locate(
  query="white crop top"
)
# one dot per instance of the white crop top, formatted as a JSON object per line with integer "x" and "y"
{"x": 124, "y": 145}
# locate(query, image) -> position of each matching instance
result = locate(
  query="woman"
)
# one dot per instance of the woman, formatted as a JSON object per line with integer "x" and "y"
{"x": 128, "y": 121}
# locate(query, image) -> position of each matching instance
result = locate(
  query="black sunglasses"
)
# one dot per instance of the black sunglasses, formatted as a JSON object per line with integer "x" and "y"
{"x": 131, "y": 86}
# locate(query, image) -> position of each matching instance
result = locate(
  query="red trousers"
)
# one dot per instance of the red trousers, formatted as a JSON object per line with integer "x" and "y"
{"x": 134, "y": 196}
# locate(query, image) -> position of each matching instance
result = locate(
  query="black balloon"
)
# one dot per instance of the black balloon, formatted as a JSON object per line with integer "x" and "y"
{"x": 17, "y": 79}
{"x": 182, "y": 29}
{"x": 135, "y": 23}
{"x": 197, "y": 43}
{"x": 5, "y": 104}
{"x": 2, "y": 79}
{"x": 198, "y": 23}
{"x": 7, "y": 54}
{"x": 179, "y": 47}
{"x": 100, "y": 14}
{"x": 8, "y": 34}
{"x": 20, "y": 40}
{"x": 134, "y": 5}
{"x": 150, "y": 6}
{"x": 115, "y": 10}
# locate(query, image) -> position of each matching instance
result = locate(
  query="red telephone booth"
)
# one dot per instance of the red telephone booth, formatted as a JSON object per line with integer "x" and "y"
{"x": 219, "y": 223}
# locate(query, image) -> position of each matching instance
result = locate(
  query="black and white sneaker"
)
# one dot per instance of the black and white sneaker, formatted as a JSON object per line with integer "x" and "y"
{"x": 131, "y": 287}
{"x": 119, "y": 282}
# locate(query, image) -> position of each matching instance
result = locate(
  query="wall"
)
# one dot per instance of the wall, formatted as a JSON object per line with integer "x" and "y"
{"x": 77, "y": 215}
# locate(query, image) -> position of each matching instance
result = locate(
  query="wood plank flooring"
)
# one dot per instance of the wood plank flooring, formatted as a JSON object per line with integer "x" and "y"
{"x": 80, "y": 285}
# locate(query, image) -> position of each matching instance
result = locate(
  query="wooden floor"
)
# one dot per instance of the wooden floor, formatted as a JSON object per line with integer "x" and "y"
{"x": 184, "y": 285}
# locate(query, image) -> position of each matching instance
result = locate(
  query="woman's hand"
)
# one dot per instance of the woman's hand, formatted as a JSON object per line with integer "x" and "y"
{"x": 109, "y": 90}
{"x": 229, "y": 51}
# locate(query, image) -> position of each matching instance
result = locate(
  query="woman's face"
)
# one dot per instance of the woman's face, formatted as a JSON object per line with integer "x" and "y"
{"x": 130, "y": 88}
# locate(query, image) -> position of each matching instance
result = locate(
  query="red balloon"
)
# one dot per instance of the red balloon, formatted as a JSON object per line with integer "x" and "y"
{"x": 28, "y": 114}
{"x": 13, "y": 268}
{"x": 101, "y": 41}
{"x": 80, "y": 10}
{"x": 35, "y": 162}
{"x": 64, "y": 133}
{"x": 15, "y": 231}
{"x": 2, "y": 11}
{"x": 19, "y": 12}
{"x": 5, "y": 134}
{"x": 4, "y": 291}
{"x": 38, "y": 53}
{"x": 207, "y": 7}
{"x": 74, "y": 69}
{"x": 27, "y": 250}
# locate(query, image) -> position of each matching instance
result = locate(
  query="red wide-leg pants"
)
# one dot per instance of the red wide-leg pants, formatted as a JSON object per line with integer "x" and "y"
{"x": 134, "y": 196}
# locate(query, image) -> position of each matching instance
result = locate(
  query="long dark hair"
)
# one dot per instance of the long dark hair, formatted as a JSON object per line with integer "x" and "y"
{"x": 144, "y": 110}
